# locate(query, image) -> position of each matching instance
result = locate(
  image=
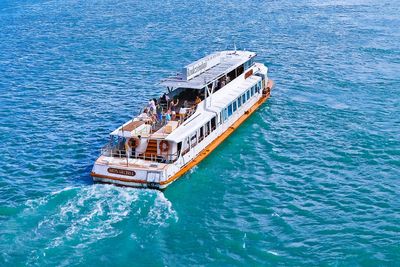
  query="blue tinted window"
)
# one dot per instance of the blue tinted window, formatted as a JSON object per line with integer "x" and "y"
{"x": 229, "y": 110}
{"x": 239, "y": 101}
{"x": 234, "y": 106}
{"x": 248, "y": 94}
{"x": 251, "y": 61}
{"x": 246, "y": 65}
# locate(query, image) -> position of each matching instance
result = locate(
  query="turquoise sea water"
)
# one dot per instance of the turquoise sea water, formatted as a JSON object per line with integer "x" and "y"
{"x": 310, "y": 179}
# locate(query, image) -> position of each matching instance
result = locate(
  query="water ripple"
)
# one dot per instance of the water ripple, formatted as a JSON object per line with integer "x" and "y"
{"x": 310, "y": 179}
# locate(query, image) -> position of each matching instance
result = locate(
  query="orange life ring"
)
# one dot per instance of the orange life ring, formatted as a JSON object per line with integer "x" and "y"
{"x": 133, "y": 143}
{"x": 164, "y": 146}
{"x": 270, "y": 84}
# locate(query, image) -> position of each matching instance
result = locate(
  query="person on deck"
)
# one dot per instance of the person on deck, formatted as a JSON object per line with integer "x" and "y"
{"x": 173, "y": 106}
{"x": 159, "y": 112}
{"x": 151, "y": 106}
{"x": 197, "y": 101}
{"x": 144, "y": 115}
{"x": 167, "y": 117}
{"x": 164, "y": 99}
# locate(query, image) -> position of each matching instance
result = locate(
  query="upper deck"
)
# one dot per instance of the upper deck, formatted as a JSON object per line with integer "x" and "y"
{"x": 196, "y": 80}
{"x": 202, "y": 72}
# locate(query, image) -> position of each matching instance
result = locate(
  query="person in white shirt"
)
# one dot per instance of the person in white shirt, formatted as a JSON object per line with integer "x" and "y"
{"x": 152, "y": 106}
{"x": 144, "y": 115}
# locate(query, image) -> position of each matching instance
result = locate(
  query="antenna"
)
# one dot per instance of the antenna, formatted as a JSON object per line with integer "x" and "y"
{"x": 234, "y": 46}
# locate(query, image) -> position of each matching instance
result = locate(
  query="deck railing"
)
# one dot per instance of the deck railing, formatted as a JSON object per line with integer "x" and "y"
{"x": 180, "y": 118}
{"x": 109, "y": 151}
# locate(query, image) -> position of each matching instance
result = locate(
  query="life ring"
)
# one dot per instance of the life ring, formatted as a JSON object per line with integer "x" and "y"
{"x": 164, "y": 146}
{"x": 133, "y": 142}
{"x": 270, "y": 84}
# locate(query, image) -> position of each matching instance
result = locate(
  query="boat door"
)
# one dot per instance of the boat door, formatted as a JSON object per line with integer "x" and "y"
{"x": 263, "y": 79}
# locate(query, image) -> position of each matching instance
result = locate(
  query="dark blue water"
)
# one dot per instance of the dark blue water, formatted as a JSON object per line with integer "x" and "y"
{"x": 310, "y": 179}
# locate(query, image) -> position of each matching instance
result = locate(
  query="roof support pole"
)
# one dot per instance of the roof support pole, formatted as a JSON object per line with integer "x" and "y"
{"x": 210, "y": 93}
{"x": 205, "y": 96}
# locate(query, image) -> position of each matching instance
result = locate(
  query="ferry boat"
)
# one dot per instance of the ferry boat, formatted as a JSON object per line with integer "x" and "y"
{"x": 200, "y": 108}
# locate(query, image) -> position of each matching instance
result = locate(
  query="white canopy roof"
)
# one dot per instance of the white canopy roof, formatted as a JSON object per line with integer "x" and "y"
{"x": 229, "y": 60}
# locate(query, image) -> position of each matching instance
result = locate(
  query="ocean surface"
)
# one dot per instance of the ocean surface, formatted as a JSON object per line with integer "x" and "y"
{"x": 311, "y": 179}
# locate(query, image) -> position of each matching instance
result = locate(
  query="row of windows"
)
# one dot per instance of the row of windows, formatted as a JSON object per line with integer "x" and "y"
{"x": 248, "y": 63}
{"x": 200, "y": 134}
{"x": 211, "y": 125}
{"x": 238, "y": 102}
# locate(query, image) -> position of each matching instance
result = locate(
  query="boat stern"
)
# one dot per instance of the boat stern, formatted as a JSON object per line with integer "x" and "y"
{"x": 132, "y": 172}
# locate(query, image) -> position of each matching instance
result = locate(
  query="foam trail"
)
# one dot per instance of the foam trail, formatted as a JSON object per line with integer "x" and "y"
{"x": 161, "y": 211}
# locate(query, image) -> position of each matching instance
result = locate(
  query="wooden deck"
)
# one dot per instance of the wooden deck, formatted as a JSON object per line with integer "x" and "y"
{"x": 133, "y": 125}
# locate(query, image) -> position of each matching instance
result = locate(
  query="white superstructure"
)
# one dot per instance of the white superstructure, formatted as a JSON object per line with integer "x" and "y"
{"x": 206, "y": 103}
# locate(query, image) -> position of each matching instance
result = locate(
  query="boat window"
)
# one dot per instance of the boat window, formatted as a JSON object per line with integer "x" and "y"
{"x": 239, "y": 102}
{"x": 193, "y": 140}
{"x": 186, "y": 146}
{"x": 213, "y": 124}
{"x": 252, "y": 90}
{"x": 248, "y": 94}
{"x": 231, "y": 75}
{"x": 243, "y": 98}
{"x": 207, "y": 128}
{"x": 230, "y": 110}
{"x": 225, "y": 114}
{"x": 179, "y": 147}
{"x": 239, "y": 70}
{"x": 201, "y": 134}
{"x": 247, "y": 65}
{"x": 234, "y": 106}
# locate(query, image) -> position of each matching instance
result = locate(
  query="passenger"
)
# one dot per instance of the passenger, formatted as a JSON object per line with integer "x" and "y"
{"x": 217, "y": 85}
{"x": 144, "y": 115}
{"x": 154, "y": 118}
{"x": 167, "y": 117}
{"x": 197, "y": 101}
{"x": 165, "y": 98}
{"x": 159, "y": 111}
{"x": 151, "y": 106}
{"x": 173, "y": 107}
{"x": 185, "y": 104}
